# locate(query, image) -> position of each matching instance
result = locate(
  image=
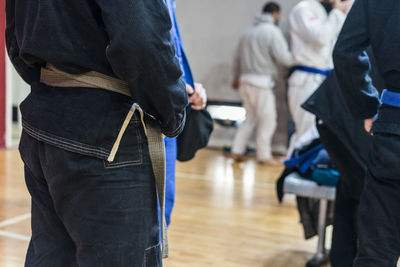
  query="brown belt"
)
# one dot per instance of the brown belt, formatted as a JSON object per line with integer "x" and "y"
{"x": 52, "y": 76}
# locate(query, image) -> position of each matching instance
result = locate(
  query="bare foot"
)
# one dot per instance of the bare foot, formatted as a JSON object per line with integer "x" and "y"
{"x": 270, "y": 162}
{"x": 238, "y": 158}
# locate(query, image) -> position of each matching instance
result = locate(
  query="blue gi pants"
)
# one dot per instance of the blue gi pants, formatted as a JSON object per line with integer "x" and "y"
{"x": 170, "y": 151}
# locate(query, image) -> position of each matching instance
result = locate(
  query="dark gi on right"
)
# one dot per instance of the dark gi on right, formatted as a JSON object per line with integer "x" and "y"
{"x": 375, "y": 23}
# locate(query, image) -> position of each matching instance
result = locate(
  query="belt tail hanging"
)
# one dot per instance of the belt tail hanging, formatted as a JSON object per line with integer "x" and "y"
{"x": 157, "y": 157}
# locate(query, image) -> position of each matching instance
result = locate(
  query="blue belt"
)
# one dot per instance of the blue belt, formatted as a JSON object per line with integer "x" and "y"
{"x": 313, "y": 70}
{"x": 390, "y": 98}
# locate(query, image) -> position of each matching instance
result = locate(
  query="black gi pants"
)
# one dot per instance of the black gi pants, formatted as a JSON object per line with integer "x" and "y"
{"x": 89, "y": 213}
{"x": 379, "y": 217}
{"x": 344, "y": 239}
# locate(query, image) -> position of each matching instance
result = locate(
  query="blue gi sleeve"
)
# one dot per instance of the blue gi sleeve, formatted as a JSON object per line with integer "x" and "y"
{"x": 141, "y": 52}
{"x": 352, "y": 64}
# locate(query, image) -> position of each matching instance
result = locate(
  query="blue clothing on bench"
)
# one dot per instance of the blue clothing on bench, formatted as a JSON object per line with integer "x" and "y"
{"x": 305, "y": 160}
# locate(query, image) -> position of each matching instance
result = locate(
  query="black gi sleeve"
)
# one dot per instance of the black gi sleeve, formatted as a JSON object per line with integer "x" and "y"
{"x": 352, "y": 64}
{"x": 141, "y": 52}
{"x": 28, "y": 73}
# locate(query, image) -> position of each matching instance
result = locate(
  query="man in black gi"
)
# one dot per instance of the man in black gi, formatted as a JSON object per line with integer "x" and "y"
{"x": 348, "y": 146}
{"x": 98, "y": 70}
{"x": 375, "y": 23}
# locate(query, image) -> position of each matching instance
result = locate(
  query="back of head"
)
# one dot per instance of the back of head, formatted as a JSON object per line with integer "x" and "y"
{"x": 271, "y": 7}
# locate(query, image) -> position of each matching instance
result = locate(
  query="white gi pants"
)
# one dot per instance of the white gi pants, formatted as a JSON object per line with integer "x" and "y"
{"x": 301, "y": 86}
{"x": 261, "y": 114}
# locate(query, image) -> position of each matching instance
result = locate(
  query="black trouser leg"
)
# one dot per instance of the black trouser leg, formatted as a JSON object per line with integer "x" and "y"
{"x": 51, "y": 244}
{"x": 87, "y": 212}
{"x": 379, "y": 217}
{"x": 344, "y": 239}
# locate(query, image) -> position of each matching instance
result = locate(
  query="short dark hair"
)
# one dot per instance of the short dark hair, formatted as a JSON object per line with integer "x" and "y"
{"x": 271, "y": 7}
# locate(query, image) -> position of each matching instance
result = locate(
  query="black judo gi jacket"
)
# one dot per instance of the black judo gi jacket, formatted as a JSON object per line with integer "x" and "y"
{"x": 375, "y": 24}
{"x": 329, "y": 105}
{"x": 129, "y": 40}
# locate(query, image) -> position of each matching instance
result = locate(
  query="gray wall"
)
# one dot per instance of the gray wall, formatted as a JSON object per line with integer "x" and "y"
{"x": 210, "y": 30}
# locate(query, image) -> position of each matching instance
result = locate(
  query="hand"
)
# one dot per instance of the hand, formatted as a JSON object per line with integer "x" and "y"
{"x": 343, "y": 6}
{"x": 368, "y": 125}
{"x": 197, "y": 96}
{"x": 235, "y": 84}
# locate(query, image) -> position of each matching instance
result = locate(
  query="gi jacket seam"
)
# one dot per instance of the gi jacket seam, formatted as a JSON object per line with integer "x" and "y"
{"x": 64, "y": 143}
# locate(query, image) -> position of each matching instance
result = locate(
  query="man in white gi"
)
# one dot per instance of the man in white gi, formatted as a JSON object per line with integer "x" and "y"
{"x": 313, "y": 35}
{"x": 261, "y": 48}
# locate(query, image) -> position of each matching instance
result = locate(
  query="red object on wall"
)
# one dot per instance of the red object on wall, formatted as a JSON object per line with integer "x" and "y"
{"x": 2, "y": 75}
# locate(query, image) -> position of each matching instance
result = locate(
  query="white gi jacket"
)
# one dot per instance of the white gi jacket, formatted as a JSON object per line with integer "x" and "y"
{"x": 313, "y": 35}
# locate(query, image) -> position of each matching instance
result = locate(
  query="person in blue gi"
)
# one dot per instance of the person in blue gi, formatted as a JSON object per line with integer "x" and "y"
{"x": 198, "y": 101}
{"x": 375, "y": 23}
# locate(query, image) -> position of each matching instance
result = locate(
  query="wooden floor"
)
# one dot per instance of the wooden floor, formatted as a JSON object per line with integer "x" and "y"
{"x": 226, "y": 215}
